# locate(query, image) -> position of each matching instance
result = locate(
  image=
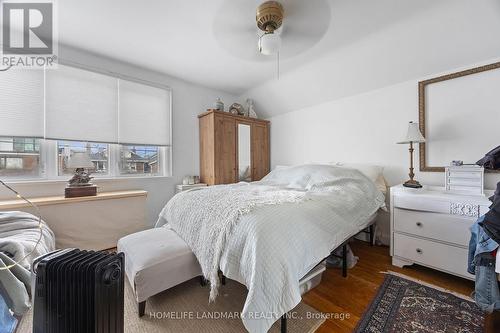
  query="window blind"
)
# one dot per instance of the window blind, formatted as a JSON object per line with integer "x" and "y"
{"x": 81, "y": 105}
{"x": 144, "y": 114}
{"x": 21, "y": 103}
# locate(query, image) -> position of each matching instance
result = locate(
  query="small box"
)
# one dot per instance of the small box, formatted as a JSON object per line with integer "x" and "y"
{"x": 80, "y": 191}
{"x": 312, "y": 279}
{"x": 465, "y": 179}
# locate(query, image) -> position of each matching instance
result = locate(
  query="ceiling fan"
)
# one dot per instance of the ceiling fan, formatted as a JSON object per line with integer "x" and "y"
{"x": 255, "y": 30}
{"x": 269, "y": 18}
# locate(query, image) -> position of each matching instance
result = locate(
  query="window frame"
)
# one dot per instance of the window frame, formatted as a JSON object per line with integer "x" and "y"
{"x": 41, "y": 165}
{"x": 95, "y": 175}
{"x": 49, "y": 150}
{"x": 49, "y": 165}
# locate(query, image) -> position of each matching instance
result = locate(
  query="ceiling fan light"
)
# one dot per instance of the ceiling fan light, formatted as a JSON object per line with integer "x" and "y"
{"x": 269, "y": 44}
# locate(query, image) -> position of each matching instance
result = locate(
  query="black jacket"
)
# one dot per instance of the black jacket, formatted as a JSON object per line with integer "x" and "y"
{"x": 491, "y": 160}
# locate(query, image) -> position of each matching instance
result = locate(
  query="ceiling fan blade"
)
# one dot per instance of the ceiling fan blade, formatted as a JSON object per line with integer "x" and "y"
{"x": 304, "y": 24}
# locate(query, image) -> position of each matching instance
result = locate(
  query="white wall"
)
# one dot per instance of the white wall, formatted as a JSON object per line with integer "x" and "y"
{"x": 362, "y": 128}
{"x": 188, "y": 99}
{"x": 417, "y": 39}
{"x": 353, "y": 103}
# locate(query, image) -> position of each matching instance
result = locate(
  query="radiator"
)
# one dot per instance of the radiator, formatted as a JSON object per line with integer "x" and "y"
{"x": 78, "y": 291}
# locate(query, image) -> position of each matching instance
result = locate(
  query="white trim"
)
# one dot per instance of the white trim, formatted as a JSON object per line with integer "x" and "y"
{"x": 49, "y": 166}
{"x": 96, "y": 181}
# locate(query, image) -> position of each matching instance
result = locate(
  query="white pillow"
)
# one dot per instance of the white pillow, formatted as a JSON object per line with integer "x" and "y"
{"x": 374, "y": 172}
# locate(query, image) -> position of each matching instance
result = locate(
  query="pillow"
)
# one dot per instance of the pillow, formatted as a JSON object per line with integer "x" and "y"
{"x": 374, "y": 172}
{"x": 305, "y": 177}
{"x": 293, "y": 176}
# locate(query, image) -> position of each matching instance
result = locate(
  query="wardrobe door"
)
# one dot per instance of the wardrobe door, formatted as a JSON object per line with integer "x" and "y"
{"x": 225, "y": 142}
{"x": 207, "y": 149}
{"x": 260, "y": 151}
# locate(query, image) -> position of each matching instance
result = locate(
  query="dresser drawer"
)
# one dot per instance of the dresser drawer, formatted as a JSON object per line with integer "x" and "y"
{"x": 444, "y": 257}
{"x": 444, "y": 227}
{"x": 451, "y": 205}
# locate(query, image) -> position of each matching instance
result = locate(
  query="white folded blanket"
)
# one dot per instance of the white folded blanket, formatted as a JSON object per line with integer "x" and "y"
{"x": 205, "y": 221}
{"x": 19, "y": 234}
{"x": 269, "y": 247}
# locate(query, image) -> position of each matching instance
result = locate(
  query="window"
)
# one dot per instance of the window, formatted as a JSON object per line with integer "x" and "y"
{"x": 139, "y": 160}
{"x": 98, "y": 153}
{"x": 19, "y": 157}
{"x": 46, "y": 115}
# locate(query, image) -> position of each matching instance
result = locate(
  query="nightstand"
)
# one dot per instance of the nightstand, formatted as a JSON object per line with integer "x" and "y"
{"x": 185, "y": 187}
{"x": 430, "y": 227}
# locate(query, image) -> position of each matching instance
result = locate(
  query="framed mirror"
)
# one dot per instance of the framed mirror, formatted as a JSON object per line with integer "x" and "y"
{"x": 244, "y": 153}
{"x": 459, "y": 116}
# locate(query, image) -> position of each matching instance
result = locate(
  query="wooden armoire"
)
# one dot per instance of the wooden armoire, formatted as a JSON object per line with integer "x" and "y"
{"x": 232, "y": 148}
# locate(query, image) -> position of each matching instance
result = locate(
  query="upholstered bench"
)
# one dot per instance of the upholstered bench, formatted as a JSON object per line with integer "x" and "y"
{"x": 155, "y": 260}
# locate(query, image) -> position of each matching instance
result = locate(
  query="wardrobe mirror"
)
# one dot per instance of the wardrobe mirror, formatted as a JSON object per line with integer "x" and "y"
{"x": 244, "y": 153}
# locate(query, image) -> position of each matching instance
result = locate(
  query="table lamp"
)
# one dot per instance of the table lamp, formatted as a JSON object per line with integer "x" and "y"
{"x": 413, "y": 136}
{"x": 79, "y": 185}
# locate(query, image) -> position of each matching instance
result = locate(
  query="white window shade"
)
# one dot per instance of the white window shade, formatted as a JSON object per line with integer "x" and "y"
{"x": 81, "y": 105}
{"x": 144, "y": 114}
{"x": 21, "y": 103}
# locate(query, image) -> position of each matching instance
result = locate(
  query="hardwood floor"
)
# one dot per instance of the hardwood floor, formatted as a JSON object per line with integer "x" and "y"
{"x": 352, "y": 295}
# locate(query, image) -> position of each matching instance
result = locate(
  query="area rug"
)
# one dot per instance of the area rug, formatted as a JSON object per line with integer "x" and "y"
{"x": 404, "y": 305}
{"x": 185, "y": 308}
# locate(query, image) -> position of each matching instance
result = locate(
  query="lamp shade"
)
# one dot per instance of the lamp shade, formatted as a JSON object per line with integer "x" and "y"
{"x": 80, "y": 160}
{"x": 269, "y": 43}
{"x": 413, "y": 134}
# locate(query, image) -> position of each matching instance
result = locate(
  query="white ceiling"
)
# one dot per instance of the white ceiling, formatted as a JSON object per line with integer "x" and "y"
{"x": 173, "y": 37}
{"x": 338, "y": 47}
{"x": 182, "y": 38}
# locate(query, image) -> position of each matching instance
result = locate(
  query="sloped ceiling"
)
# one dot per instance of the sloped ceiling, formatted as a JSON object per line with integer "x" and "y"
{"x": 367, "y": 45}
{"x": 391, "y": 42}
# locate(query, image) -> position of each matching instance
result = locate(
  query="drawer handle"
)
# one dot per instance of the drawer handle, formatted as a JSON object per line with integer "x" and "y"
{"x": 419, "y": 224}
{"x": 419, "y": 251}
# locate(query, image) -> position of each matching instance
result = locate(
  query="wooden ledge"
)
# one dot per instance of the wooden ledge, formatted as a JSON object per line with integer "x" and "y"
{"x": 56, "y": 200}
{"x": 236, "y": 117}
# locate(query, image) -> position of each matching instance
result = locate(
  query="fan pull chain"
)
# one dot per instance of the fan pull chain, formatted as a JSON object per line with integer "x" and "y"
{"x": 278, "y": 64}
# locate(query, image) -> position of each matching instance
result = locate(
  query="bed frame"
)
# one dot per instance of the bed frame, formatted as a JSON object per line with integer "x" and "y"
{"x": 368, "y": 230}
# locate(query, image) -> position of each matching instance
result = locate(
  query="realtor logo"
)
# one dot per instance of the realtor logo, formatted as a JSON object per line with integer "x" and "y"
{"x": 28, "y": 29}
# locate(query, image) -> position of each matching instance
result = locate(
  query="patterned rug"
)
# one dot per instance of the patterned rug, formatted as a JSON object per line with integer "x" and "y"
{"x": 405, "y": 306}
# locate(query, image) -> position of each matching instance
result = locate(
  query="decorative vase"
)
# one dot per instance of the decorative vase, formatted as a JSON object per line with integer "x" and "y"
{"x": 250, "y": 110}
{"x": 219, "y": 105}
{"x": 237, "y": 109}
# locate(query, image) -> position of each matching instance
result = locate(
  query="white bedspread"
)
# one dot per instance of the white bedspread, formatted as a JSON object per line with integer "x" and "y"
{"x": 271, "y": 247}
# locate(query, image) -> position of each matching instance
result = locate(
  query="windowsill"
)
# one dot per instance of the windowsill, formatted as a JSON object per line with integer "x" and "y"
{"x": 56, "y": 200}
{"x": 94, "y": 180}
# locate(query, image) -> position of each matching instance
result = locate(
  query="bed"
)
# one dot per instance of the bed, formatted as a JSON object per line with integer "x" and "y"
{"x": 267, "y": 235}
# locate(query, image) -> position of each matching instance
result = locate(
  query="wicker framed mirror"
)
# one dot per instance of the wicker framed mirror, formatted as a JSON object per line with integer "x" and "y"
{"x": 459, "y": 115}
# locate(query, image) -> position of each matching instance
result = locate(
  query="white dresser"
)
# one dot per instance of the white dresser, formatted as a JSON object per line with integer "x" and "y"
{"x": 430, "y": 227}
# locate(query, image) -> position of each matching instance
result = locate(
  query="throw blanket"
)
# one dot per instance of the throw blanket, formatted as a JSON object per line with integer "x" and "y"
{"x": 21, "y": 242}
{"x": 270, "y": 247}
{"x": 19, "y": 234}
{"x": 205, "y": 221}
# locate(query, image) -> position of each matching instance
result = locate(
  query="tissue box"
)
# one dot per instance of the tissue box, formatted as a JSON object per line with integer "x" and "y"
{"x": 465, "y": 179}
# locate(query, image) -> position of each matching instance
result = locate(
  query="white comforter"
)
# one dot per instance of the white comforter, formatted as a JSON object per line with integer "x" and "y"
{"x": 270, "y": 247}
